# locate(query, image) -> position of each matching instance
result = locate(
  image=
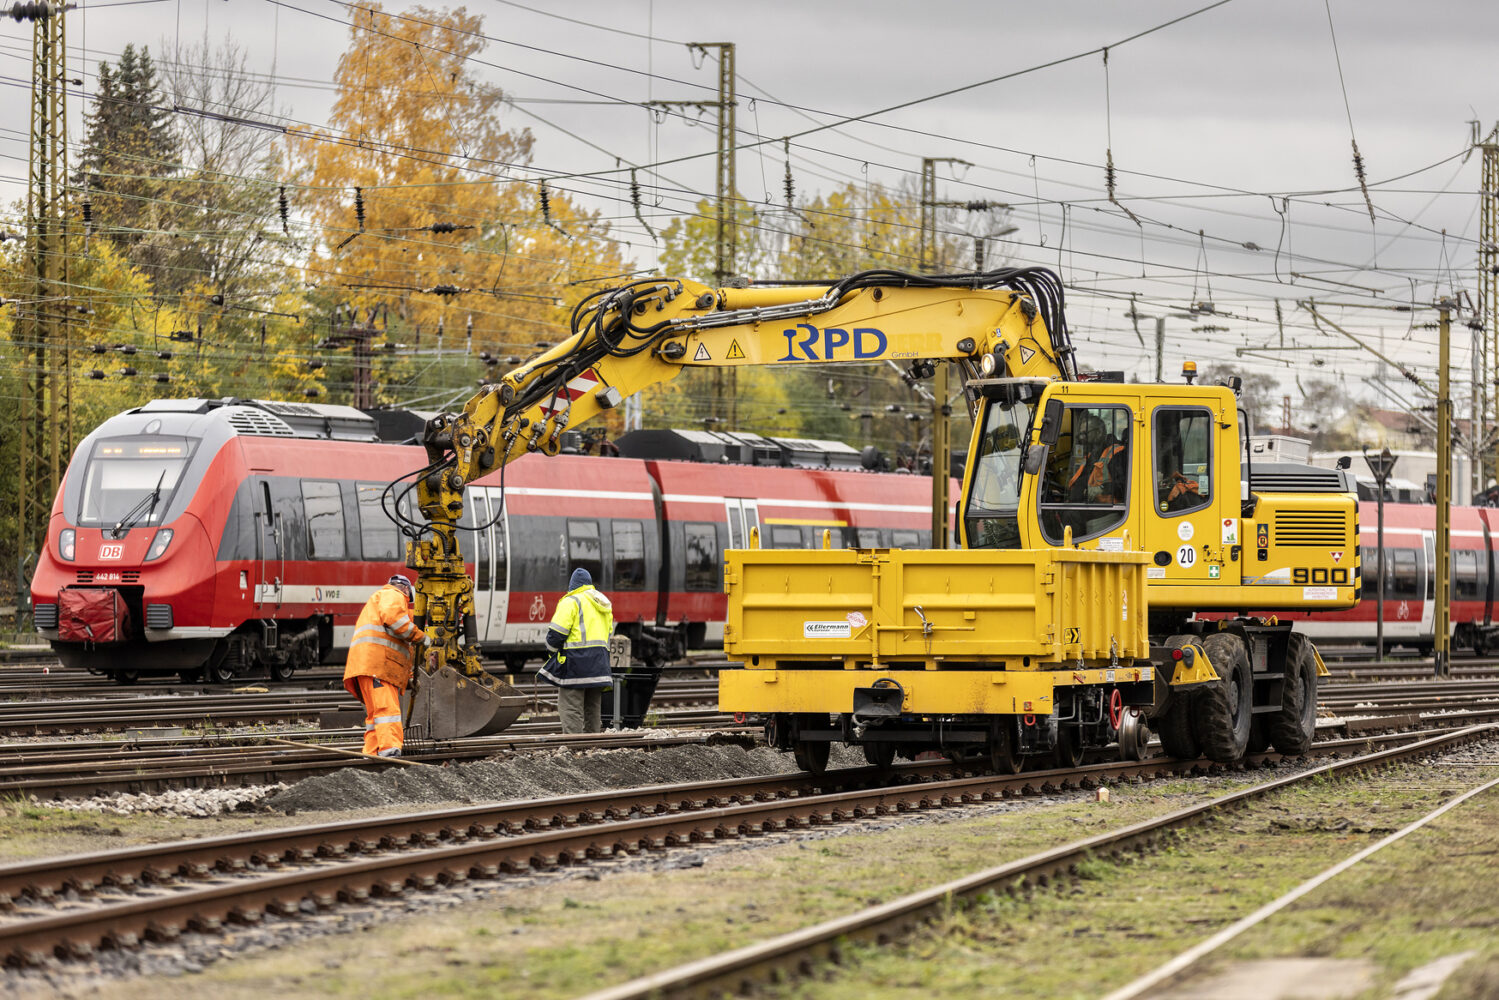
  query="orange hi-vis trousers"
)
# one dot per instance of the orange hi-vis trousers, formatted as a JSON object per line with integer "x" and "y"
{"x": 382, "y": 715}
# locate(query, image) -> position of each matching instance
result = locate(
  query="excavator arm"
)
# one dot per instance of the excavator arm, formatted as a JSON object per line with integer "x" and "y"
{"x": 999, "y": 323}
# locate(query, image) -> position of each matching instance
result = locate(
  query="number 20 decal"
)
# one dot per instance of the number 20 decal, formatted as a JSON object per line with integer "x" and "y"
{"x": 1186, "y": 555}
{"x": 1320, "y": 575}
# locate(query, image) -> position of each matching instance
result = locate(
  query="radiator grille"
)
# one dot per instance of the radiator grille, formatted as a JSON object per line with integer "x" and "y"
{"x": 248, "y": 421}
{"x": 44, "y": 616}
{"x": 158, "y": 616}
{"x": 1310, "y": 528}
{"x": 85, "y": 576}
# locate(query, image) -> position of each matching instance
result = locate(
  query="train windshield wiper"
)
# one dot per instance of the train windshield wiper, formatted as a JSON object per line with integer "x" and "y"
{"x": 134, "y": 515}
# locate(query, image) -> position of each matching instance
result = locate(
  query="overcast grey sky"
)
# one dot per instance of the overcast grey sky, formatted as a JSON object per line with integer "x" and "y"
{"x": 1212, "y": 122}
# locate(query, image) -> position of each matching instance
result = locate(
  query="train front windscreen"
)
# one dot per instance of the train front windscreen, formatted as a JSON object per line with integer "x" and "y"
{"x": 129, "y": 481}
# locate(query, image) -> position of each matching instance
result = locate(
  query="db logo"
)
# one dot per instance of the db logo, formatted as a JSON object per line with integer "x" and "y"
{"x": 538, "y": 609}
{"x": 112, "y": 550}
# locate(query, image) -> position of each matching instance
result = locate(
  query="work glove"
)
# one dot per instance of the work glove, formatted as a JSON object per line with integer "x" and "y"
{"x": 427, "y": 640}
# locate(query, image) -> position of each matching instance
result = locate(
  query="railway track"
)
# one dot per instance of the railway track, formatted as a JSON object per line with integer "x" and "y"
{"x": 156, "y": 763}
{"x": 74, "y": 770}
{"x": 71, "y": 906}
{"x": 247, "y": 708}
{"x": 797, "y": 953}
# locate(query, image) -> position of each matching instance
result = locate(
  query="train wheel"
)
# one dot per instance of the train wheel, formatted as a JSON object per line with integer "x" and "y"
{"x": 1004, "y": 752}
{"x": 1134, "y": 735}
{"x": 1223, "y": 710}
{"x": 282, "y": 671}
{"x": 127, "y": 677}
{"x": 1174, "y": 726}
{"x": 1295, "y": 725}
{"x": 812, "y": 755}
{"x": 1069, "y": 749}
{"x": 220, "y": 673}
{"x": 881, "y": 754}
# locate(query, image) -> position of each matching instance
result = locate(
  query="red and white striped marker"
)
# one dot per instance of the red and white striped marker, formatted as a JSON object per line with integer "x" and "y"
{"x": 578, "y": 387}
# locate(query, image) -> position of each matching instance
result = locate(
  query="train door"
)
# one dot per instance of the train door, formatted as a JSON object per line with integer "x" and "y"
{"x": 477, "y": 512}
{"x": 743, "y": 517}
{"x": 269, "y": 571}
{"x": 1428, "y": 577}
{"x": 492, "y": 595}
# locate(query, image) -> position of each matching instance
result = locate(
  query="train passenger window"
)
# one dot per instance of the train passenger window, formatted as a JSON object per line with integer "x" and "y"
{"x": 905, "y": 540}
{"x": 584, "y": 550}
{"x": 1085, "y": 484}
{"x": 324, "y": 510}
{"x": 378, "y": 539}
{"x": 629, "y": 555}
{"x": 785, "y": 536}
{"x": 1183, "y": 480}
{"x": 869, "y": 538}
{"x": 703, "y": 555}
{"x": 1402, "y": 579}
{"x": 1465, "y": 578}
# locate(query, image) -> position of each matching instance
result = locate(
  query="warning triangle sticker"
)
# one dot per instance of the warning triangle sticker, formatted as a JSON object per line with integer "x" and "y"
{"x": 1026, "y": 353}
{"x": 702, "y": 353}
{"x": 735, "y": 354}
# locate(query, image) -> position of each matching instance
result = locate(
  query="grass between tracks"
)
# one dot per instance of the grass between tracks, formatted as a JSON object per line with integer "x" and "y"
{"x": 1430, "y": 895}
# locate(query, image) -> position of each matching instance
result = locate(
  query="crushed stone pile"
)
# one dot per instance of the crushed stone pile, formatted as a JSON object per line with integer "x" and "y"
{"x": 532, "y": 775}
{"x": 177, "y": 802}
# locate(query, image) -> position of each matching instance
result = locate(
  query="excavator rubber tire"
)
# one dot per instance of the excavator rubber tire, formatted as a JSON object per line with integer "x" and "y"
{"x": 1293, "y": 728}
{"x": 1174, "y": 727}
{"x": 1223, "y": 710}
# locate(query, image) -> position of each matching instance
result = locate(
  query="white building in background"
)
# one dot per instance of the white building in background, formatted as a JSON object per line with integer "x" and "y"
{"x": 1415, "y": 474}
{"x": 1413, "y": 481}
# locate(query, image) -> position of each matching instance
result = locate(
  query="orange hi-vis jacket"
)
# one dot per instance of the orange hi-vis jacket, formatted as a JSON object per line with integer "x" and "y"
{"x": 384, "y": 638}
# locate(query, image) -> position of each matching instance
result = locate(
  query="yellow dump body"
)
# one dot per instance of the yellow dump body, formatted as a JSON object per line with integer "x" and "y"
{"x": 961, "y": 631}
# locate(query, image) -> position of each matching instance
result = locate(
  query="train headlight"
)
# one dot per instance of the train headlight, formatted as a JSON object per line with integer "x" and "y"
{"x": 159, "y": 544}
{"x": 67, "y": 544}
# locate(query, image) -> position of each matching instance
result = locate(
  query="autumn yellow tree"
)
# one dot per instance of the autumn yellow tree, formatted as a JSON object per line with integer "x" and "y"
{"x": 425, "y": 203}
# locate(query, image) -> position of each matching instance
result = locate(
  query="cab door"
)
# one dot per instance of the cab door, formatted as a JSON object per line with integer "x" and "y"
{"x": 268, "y": 574}
{"x": 744, "y": 518}
{"x": 1183, "y": 531}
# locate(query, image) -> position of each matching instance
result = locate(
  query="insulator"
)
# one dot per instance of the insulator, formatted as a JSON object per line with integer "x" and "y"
{"x": 96, "y": 374}
{"x": 285, "y": 231}
{"x": 88, "y": 217}
{"x": 546, "y": 204}
{"x": 128, "y": 372}
{"x": 35, "y": 11}
{"x": 98, "y": 348}
{"x": 313, "y": 364}
{"x": 164, "y": 355}
{"x": 311, "y": 392}
{"x": 787, "y": 182}
{"x": 359, "y": 207}
{"x": 125, "y": 348}
{"x": 444, "y": 290}
{"x": 443, "y": 227}
{"x": 162, "y": 378}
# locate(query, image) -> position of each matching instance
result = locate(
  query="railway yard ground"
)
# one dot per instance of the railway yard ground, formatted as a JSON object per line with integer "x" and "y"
{"x": 613, "y": 862}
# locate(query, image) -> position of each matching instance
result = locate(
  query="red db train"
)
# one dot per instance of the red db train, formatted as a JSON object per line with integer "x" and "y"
{"x": 1410, "y": 580}
{"x": 221, "y": 537}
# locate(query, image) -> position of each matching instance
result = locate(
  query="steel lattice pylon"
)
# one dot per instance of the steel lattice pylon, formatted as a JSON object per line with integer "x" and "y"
{"x": 1488, "y": 290}
{"x": 42, "y": 327}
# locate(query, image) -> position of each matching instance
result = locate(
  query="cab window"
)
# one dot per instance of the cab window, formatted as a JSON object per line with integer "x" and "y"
{"x": 1183, "y": 454}
{"x": 1085, "y": 483}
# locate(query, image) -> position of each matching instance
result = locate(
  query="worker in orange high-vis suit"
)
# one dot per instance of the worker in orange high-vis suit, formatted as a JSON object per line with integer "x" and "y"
{"x": 379, "y": 664}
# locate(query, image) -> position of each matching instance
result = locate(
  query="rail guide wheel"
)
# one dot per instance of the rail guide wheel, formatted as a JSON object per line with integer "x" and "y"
{"x": 1134, "y": 735}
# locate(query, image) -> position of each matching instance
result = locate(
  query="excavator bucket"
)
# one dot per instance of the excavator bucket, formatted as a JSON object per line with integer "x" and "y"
{"x": 447, "y": 705}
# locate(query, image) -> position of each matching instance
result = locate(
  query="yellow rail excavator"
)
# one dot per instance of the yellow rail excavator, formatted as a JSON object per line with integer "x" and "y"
{"x": 1118, "y": 564}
